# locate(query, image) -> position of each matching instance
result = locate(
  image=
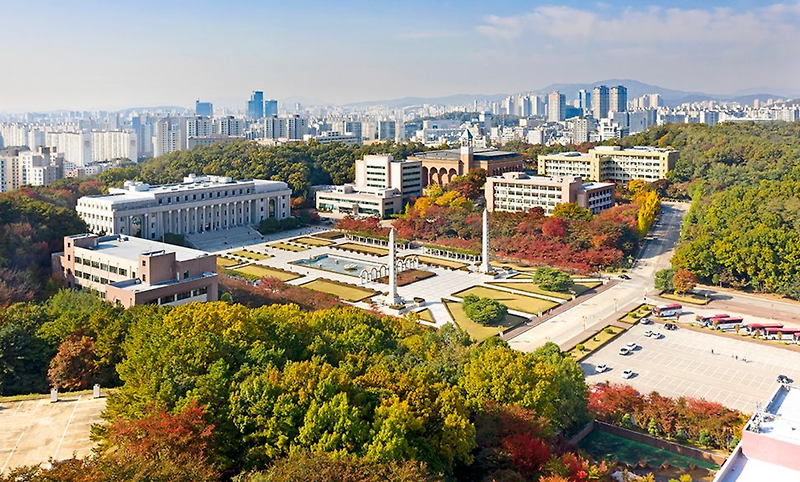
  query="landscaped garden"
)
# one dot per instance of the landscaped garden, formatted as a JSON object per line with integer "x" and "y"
{"x": 688, "y": 297}
{"x": 607, "y": 446}
{"x": 309, "y": 241}
{"x": 246, "y": 253}
{"x": 254, "y": 271}
{"x": 425, "y": 315}
{"x": 442, "y": 263}
{"x": 514, "y": 301}
{"x": 329, "y": 235}
{"x": 343, "y": 291}
{"x": 408, "y": 276}
{"x": 595, "y": 342}
{"x": 362, "y": 249}
{"x": 288, "y": 247}
{"x": 477, "y": 331}
{"x": 636, "y": 314}
{"x": 579, "y": 289}
{"x": 224, "y": 262}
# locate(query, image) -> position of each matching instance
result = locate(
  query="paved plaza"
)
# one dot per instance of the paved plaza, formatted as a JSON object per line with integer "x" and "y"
{"x": 32, "y": 431}
{"x": 682, "y": 364}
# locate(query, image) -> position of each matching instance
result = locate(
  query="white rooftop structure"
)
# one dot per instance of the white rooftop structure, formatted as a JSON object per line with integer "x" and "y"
{"x": 130, "y": 248}
{"x": 770, "y": 446}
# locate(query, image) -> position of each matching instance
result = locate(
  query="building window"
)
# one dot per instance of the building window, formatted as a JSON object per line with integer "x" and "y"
{"x": 144, "y": 262}
{"x": 185, "y": 275}
{"x": 123, "y": 272}
{"x": 144, "y": 278}
{"x": 69, "y": 257}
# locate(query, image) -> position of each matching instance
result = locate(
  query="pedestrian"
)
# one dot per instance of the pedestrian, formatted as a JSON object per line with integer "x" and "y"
{"x": 712, "y": 351}
{"x": 737, "y": 357}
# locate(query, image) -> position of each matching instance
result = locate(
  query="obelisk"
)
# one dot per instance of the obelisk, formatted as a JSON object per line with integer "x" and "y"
{"x": 392, "y": 298}
{"x": 485, "y": 268}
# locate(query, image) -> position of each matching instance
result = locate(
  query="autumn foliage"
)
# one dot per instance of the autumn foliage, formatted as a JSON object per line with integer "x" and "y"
{"x": 705, "y": 422}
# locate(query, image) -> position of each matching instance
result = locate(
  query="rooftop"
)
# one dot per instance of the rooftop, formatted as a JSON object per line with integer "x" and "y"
{"x": 130, "y": 247}
{"x": 782, "y": 417}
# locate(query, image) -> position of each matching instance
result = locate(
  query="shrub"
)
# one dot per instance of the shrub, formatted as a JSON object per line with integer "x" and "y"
{"x": 580, "y": 347}
{"x": 552, "y": 279}
{"x": 484, "y": 311}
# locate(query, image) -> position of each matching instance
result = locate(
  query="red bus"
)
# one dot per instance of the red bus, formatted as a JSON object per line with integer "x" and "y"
{"x": 665, "y": 311}
{"x": 780, "y": 333}
{"x": 753, "y": 327}
{"x": 727, "y": 323}
{"x": 706, "y": 319}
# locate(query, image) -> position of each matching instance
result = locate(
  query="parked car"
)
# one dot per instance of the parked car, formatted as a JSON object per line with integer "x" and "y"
{"x": 631, "y": 346}
{"x": 601, "y": 368}
{"x": 657, "y": 335}
{"x": 671, "y": 326}
{"x": 648, "y": 333}
{"x": 646, "y": 321}
{"x": 624, "y": 276}
{"x": 627, "y": 374}
{"x": 624, "y": 351}
{"x": 784, "y": 379}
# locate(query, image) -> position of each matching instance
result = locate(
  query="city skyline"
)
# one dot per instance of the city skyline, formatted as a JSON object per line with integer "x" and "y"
{"x": 102, "y": 56}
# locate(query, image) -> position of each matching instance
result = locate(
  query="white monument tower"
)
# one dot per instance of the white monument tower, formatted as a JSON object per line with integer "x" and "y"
{"x": 392, "y": 298}
{"x": 485, "y": 268}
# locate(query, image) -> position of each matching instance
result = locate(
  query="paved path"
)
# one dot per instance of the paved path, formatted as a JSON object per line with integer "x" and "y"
{"x": 601, "y": 310}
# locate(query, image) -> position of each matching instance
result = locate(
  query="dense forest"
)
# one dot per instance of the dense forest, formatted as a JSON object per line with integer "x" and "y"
{"x": 743, "y": 229}
{"x": 235, "y": 389}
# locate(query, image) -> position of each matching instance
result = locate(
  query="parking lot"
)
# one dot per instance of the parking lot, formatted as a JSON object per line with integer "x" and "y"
{"x": 738, "y": 374}
{"x": 33, "y": 431}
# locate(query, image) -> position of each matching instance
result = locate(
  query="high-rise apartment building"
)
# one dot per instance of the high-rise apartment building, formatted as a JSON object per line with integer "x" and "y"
{"x": 270, "y": 107}
{"x": 76, "y": 146}
{"x": 168, "y": 137}
{"x": 585, "y": 100}
{"x": 600, "y": 102}
{"x": 255, "y": 106}
{"x": 110, "y": 145}
{"x": 618, "y": 99}
{"x": 557, "y": 105}
{"x": 580, "y": 130}
{"x": 610, "y": 163}
{"x": 203, "y": 109}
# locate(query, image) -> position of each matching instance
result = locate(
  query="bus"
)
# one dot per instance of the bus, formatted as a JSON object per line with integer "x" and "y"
{"x": 727, "y": 323}
{"x": 760, "y": 327}
{"x": 706, "y": 319}
{"x": 780, "y": 333}
{"x": 665, "y": 311}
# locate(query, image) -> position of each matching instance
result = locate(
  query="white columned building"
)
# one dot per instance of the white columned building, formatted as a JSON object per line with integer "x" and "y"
{"x": 198, "y": 204}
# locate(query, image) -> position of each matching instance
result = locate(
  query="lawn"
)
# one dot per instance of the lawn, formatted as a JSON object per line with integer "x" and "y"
{"x": 312, "y": 241}
{"x": 288, "y": 247}
{"x": 604, "y": 445}
{"x": 425, "y": 315}
{"x": 408, "y": 276}
{"x": 534, "y": 288}
{"x": 524, "y": 303}
{"x": 363, "y": 249}
{"x": 579, "y": 287}
{"x": 223, "y": 262}
{"x": 595, "y": 342}
{"x": 329, "y": 235}
{"x": 690, "y": 298}
{"x": 442, "y": 263}
{"x": 343, "y": 291}
{"x": 477, "y": 331}
{"x": 255, "y": 271}
{"x": 246, "y": 253}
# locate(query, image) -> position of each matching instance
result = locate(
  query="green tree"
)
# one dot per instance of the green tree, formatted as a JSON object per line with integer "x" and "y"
{"x": 484, "y": 311}
{"x": 663, "y": 279}
{"x": 572, "y": 211}
{"x": 552, "y": 279}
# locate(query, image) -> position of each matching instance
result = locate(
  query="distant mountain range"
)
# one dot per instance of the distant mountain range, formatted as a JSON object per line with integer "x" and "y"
{"x": 635, "y": 89}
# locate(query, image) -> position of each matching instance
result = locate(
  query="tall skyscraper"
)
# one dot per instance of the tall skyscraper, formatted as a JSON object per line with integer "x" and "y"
{"x": 585, "y": 100}
{"x": 255, "y": 106}
{"x": 557, "y": 104}
{"x": 205, "y": 109}
{"x": 600, "y": 102}
{"x": 270, "y": 107}
{"x": 618, "y": 99}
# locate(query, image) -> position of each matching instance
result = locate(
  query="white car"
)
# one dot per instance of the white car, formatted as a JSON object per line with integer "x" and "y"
{"x": 601, "y": 368}
{"x": 646, "y": 321}
{"x": 631, "y": 346}
{"x": 648, "y": 333}
{"x": 624, "y": 351}
{"x": 657, "y": 335}
{"x": 627, "y": 374}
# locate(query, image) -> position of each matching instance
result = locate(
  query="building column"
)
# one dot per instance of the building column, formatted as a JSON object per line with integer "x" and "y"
{"x": 179, "y": 224}
{"x": 196, "y": 220}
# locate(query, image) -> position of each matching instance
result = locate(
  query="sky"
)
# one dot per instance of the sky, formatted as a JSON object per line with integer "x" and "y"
{"x": 109, "y": 54}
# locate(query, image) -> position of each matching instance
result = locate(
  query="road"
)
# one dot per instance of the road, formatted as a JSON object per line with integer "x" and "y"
{"x": 599, "y": 311}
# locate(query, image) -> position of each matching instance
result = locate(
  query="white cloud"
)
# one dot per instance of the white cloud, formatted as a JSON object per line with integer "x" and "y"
{"x": 720, "y": 41}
